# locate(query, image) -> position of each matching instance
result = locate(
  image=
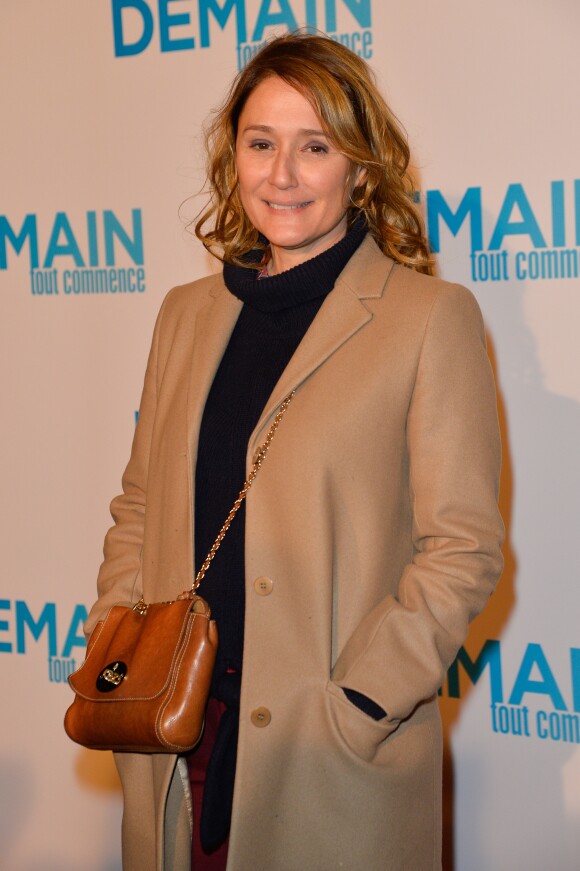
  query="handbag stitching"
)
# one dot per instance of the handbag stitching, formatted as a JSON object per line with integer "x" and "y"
{"x": 171, "y": 690}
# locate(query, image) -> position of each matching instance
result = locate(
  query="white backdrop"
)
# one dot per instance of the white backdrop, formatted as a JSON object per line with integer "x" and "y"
{"x": 101, "y": 107}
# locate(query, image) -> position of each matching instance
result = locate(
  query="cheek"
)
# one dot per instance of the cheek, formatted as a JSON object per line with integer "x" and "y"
{"x": 339, "y": 180}
{"x": 247, "y": 178}
{"x": 340, "y": 188}
{"x": 246, "y": 191}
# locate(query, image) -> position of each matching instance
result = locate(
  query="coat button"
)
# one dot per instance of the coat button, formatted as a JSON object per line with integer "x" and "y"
{"x": 261, "y": 717}
{"x": 263, "y": 586}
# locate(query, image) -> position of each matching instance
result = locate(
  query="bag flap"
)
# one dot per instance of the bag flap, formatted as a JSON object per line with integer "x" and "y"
{"x": 132, "y": 655}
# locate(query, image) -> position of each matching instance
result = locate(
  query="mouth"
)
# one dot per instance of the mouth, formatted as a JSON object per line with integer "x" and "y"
{"x": 281, "y": 207}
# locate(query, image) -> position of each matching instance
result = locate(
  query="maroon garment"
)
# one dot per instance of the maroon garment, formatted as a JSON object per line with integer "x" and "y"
{"x": 197, "y": 765}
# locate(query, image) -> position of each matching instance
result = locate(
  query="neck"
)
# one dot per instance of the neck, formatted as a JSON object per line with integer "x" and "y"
{"x": 311, "y": 278}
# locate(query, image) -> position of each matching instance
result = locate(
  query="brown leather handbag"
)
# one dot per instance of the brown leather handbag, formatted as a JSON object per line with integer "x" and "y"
{"x": 144, "y": 684}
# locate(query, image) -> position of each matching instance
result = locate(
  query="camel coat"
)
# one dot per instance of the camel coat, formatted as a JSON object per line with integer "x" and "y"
{"x": 374, "y": 521}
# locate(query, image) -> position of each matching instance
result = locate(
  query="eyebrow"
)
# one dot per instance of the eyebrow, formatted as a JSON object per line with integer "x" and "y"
{"x": 264, "y": 128}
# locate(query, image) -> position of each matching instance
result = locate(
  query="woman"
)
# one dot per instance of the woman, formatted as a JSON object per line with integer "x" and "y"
{"x": 371, "y": 536}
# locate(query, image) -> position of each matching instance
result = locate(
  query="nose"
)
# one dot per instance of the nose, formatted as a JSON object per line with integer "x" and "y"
{"x": 283, "y": 169}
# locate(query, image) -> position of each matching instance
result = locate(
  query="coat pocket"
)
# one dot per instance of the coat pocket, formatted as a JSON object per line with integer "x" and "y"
{"x": 355, "y": 730}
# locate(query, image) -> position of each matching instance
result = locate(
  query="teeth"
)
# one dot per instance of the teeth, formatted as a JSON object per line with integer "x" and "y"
{"x": 280, "y": 207}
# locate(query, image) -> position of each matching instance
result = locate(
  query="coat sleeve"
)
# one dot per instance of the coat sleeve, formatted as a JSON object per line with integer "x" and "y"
{"x": 399, "y": 655}
{"x": 119, "y": 578}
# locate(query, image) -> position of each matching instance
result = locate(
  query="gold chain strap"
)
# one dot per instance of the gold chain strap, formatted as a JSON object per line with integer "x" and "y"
{"x": 259, "y": 457}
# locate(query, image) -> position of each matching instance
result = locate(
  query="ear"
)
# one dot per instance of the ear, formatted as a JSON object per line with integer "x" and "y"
{"x": 359, "y": 177}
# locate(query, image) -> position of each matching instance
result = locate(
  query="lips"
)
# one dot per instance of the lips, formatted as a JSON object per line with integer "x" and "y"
{"x": 286, "y": 207}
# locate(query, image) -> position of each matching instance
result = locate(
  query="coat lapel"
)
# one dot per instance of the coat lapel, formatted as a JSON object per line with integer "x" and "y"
{"x": 213, "y": 327}
{"x": 342, "y": 314}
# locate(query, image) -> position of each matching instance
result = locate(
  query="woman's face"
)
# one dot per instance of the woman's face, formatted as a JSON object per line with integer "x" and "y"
{"x": 294, "y": 184}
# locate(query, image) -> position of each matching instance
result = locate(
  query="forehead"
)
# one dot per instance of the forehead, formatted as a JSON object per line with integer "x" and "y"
{"x": 274, "y": 103}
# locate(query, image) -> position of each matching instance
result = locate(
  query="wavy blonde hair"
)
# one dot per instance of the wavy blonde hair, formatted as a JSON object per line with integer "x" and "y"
{"x": 355, "y": 117}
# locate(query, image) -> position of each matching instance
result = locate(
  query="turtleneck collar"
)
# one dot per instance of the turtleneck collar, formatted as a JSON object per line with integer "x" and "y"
{"x": 308, "y": 281}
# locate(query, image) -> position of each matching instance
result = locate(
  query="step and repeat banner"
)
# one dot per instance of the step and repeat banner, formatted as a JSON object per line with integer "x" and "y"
{"x": 101, "y": 167}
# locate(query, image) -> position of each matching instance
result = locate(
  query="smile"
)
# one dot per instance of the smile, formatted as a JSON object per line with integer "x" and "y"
{"x": 280, "y": 207}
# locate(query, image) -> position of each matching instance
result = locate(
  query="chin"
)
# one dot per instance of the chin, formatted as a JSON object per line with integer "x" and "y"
{"x": 288, "y": 242}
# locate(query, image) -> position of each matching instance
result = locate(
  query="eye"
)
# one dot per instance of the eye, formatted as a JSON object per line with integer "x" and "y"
{"x": 317, "y": 148}
{"x": 260, "y": 145}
